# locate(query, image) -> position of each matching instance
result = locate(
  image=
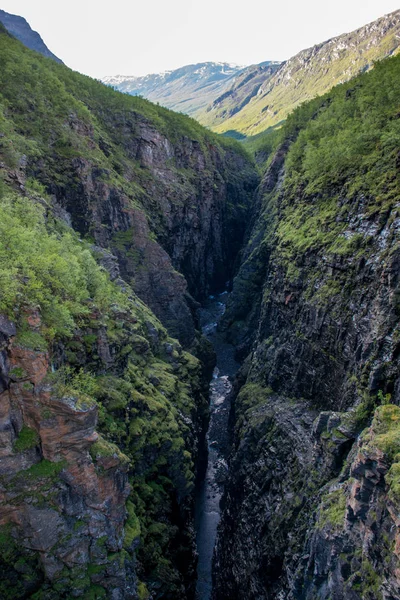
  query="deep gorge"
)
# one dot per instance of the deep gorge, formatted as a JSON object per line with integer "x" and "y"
{"x": 119, "y": 220}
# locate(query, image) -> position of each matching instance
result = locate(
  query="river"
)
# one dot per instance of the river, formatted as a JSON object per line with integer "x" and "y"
{"x": 210, "y": 491}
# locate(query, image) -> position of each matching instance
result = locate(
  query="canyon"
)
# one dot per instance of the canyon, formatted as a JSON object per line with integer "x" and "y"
{"x": 143, "y": 257}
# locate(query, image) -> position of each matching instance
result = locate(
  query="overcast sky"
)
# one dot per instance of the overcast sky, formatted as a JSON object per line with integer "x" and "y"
{"x": 148, "y": 36}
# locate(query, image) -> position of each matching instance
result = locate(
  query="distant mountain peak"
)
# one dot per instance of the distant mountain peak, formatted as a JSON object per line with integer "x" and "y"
{"x": 20, "y": 29}
{"x": 188, "y": 89}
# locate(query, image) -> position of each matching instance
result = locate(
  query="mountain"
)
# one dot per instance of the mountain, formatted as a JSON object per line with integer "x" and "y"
{"x": 121, "y": 224}
{"x": 312, "y": 498}
{"x": 117, "y": 218}
{"x": 268, "y": 96}
{"x": 245, "y": 101}
{"x": 20, "y": 28}
{"x": 189, "y": 89}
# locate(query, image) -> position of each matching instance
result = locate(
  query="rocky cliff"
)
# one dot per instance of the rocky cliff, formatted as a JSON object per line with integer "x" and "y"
{"x": 103, "y": 198}
{"x": 310, "y": 507}
{"x": 161, "y": 192}
{"x": 101, "y": 417}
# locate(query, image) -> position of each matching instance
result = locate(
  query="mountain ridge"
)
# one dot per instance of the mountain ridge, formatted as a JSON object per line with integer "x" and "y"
{"x": 189, "y": 89}
{"x": 19, "y": 27}
{"x": 260, "y": 96}
{"x": 310, "y": 73}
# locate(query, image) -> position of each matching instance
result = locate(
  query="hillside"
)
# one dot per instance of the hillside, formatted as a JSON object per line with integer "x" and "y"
{"x": 117, "y": 217}
{"x": 189, "y": 89}
{"x": 20, "y": 28}
{"x": 311, "y": 504}
{"x": 267, "y": 98}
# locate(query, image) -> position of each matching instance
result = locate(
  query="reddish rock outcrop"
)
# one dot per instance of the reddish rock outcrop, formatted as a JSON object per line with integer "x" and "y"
{"x": 56, "y": 501}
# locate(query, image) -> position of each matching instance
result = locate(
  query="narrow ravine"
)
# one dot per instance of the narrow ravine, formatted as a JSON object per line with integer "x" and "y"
{"x": 210, "y": 491}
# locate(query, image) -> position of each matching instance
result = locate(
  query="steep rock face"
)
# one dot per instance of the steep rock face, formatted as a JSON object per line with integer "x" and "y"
{"x": 199, "y": 217}
{"x": 157, "y": 189}
{"x": 353, "y": 549}
{"x": 84, "y": 408}
{"x": 61, "y": 510}
{"x": 321, "y": 334}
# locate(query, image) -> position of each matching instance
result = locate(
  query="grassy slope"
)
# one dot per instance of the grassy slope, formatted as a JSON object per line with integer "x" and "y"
{"x": 346, "y": 146}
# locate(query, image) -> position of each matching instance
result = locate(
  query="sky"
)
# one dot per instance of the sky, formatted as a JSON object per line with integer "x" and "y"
{"x": 137, "y": 37}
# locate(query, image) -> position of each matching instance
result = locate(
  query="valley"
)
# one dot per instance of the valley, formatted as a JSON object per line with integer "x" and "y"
{"x": 200, "y": 338}
{"x": 212, "y": 482}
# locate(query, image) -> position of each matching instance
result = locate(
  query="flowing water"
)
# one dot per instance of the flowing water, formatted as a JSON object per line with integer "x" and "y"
{"x": 210, "y": 491}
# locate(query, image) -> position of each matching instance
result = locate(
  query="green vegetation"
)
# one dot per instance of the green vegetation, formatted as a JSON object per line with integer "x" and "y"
{"x": 340, "y": 169}
{"x": 28, "y": 438}
{"x": 43, "y": 267}
{"x": 132, "y": 526}
{"x": 103, "y": 449}
{"x": 345, "y": 151}
{"x": 144, "y": 412}
{"x": 51, "y": 115}
{"x": 349, "y": 137}
{"x": 44, "y": 469}
{"x": 384, "y": 434}
{"x": 143, "y": 592}
{"x": 333, "y": 509}
{"x": 19, "y": 568}
{"x": 385, "y": 431}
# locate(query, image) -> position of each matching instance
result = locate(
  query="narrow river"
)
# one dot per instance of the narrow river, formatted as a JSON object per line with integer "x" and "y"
{"x": 210, "y": 492}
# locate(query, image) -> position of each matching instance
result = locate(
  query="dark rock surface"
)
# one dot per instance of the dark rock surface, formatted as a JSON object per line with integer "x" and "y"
{"x": 191, "y": 221}
{"x": 306, "y": 513}
{"x": 20, "y": 28}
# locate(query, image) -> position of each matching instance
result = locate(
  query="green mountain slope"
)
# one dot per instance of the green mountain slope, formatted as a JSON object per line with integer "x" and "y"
{"x": 107, "y": 202}
{"x": 310, "y": 73}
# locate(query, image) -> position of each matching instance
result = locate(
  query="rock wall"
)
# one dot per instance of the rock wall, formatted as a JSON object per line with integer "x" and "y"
{"x": 190, "y": 220}
{"x": 309, "y": 511}
{"x": 100, "y": 433}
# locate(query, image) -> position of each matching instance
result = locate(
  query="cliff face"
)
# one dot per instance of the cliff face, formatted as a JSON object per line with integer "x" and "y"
{"x": 62, "y": 510}
{"x": 190, "y": 219}
{"x": 153, "y": 186}
{"x": 93, "y": 393}
{"x": 101, "y": 417}
{"x": 103, "y": 198}
{"x": 310, "y": 507}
